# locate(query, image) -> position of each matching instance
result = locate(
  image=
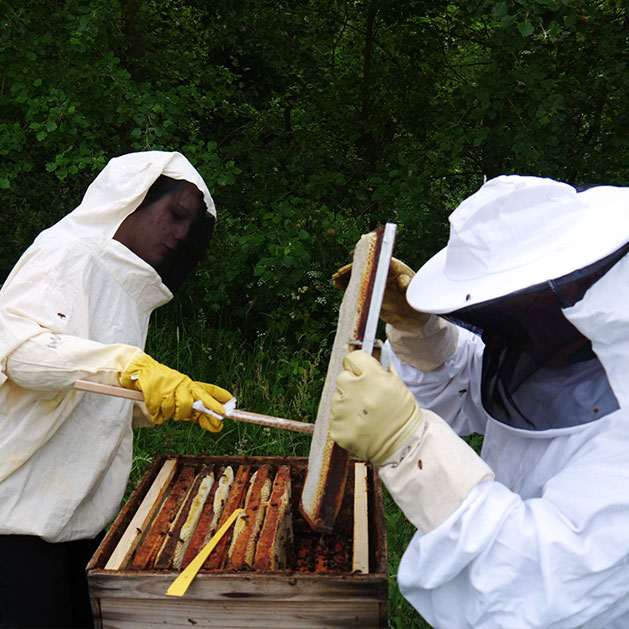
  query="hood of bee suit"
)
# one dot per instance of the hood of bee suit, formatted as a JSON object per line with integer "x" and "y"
{"x": 119, "y": 189}
{"x": 603, "y": 317}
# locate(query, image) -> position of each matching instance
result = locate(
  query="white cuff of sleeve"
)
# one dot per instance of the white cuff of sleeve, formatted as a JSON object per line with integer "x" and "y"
{"x": 430, "y": 476}
{"x": 424, "y": 347}
{"x": 52, "y": 362}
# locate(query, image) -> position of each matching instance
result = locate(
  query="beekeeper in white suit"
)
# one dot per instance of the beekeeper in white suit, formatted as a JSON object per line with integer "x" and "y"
{"x": 531, "y": 350}
{"x": 77, "y": 306}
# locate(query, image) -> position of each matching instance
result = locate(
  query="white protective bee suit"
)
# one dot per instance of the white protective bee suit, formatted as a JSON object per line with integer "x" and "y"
{"x": 76, "y": 305}
{"x": 545, "y": 543}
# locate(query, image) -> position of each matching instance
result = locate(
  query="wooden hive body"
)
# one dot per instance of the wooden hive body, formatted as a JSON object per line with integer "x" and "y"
{"x": 309, "y": 582}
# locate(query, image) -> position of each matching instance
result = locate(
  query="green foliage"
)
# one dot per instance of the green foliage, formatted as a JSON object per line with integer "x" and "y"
{"x": 539, "y": 88}
{"x": 306, "y": 117}
{"x": 281, "y": 257}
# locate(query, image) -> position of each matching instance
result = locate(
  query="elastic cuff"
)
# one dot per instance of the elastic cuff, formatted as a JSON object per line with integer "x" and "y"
{"x": 52, "y": 362}
{"x": 430, "y": 476}
{"x": 424, "y": 347}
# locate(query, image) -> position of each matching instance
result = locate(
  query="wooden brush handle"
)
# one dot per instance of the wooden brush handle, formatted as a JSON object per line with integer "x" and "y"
{"x": 238, "y": 415}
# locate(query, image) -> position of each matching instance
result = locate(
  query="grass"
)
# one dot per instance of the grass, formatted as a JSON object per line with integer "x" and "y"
{"x": 270, "y": 378}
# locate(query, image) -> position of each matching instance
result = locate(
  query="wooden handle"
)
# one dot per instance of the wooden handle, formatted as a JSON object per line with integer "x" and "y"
{"x": 108, "y": 389}
{"x": 274, "y": 422}
{"x": 242, "y": 416}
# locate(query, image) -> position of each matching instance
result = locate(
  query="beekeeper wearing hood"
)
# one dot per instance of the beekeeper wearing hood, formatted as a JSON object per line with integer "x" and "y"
{"x": 531, "y": 349}
{"x": 77, "y": 306}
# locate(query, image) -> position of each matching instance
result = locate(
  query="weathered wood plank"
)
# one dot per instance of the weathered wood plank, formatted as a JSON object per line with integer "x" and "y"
{"x": 142, "y": 518}
{"x": 360, "y": 559}
{"x": 241, "y": 614}
{"x": 222, "y": 585}
{"x": 150, "y": 547}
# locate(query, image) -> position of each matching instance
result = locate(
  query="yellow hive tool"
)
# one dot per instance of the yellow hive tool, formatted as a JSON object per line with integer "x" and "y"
{"x": 179, "y": 586}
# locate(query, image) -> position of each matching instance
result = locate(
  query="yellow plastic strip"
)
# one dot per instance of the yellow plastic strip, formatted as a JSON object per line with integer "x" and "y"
{"x": 179, "y": 586}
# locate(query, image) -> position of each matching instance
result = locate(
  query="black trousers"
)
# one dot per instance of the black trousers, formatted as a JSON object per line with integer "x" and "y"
{"x": 44, "y": 585}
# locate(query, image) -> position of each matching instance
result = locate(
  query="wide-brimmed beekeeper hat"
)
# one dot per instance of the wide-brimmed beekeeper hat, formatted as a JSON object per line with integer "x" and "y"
{"x": 515, "y": 232}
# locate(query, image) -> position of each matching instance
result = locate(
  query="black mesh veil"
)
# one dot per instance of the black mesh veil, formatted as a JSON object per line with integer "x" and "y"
{"x": 190, "y": 251}
{"x": 180, "y": 265}
{"x": 539, "y": 372}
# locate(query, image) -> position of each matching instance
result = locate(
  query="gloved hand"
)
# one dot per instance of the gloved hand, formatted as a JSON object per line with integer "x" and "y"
{"x": 373, "y": 413}
{"x": 395, "y": 309}
{"x": 425, "y": 465}
{"x": 170, "y": 394}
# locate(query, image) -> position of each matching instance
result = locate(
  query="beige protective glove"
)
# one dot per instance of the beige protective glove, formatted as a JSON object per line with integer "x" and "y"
{"x": 418, "y": 339}
{"x": 170, "y": 394}
{"x": 373, "y": 413}
{"x": 395, "y": 309}
{"x": 428, "y": 469}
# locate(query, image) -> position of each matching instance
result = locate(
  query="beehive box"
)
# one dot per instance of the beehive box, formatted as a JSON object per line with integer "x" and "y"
{"x": 277, "y": 572}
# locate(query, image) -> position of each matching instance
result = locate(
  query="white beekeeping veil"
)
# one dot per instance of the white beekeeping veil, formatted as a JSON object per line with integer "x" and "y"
{"x": 531, "y": 266}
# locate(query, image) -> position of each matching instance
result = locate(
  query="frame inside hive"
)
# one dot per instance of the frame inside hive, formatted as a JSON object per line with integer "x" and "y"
{"x": 318, "y": 578}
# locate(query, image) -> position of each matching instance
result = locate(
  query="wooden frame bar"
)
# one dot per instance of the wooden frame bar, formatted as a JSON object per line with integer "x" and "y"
{"x": 360, "y": 559}
{"x": 143, "y": 516}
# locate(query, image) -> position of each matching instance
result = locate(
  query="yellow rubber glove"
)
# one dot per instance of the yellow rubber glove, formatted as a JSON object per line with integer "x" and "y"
{"x": 395, "y": 309}
{"x": 170, "y": 394}
{"x": 373, "y": 413}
